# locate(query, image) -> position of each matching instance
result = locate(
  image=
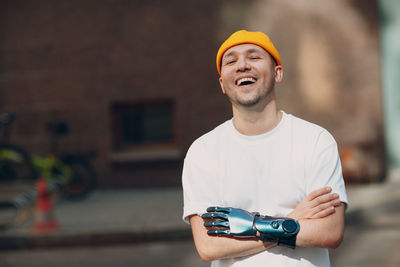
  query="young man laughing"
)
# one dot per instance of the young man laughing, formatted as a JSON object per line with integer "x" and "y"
{"x": 264, "y": 188}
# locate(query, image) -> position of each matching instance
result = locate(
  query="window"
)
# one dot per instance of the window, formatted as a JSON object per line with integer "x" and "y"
{"x": 143, "y": 125}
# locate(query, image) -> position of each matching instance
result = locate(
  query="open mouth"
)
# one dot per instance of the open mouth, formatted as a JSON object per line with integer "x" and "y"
{"x": 245, "y": 81}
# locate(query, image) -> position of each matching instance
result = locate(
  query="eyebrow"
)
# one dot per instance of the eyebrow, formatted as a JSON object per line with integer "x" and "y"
{"x": 253, "y": 50}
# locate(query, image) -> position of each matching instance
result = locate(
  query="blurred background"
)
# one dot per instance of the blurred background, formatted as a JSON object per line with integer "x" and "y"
{"x": 131, "y": 84}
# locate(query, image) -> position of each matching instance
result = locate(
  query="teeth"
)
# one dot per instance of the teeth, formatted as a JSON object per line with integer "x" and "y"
{"x": 246, "y": 80}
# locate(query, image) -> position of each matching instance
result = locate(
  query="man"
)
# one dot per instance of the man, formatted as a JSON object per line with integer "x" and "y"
{"x": 262, "y": 160}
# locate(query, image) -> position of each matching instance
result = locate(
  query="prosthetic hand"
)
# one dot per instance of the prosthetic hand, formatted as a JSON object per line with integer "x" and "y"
{"x": 242, "y": 224}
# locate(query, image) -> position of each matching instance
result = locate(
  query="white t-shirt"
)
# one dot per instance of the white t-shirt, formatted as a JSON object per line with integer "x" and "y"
{"x": 269, "y": 173}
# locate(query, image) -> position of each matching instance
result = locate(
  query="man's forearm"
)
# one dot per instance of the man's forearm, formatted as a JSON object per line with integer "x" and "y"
{"x": 213, "y": 248}
{"x": 323, "y": 232}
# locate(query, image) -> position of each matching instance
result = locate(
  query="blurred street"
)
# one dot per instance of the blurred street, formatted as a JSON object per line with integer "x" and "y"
{"x": 168, "y": 254}
{"x": 144, "y": 228}
{"x": 372, "y": 233}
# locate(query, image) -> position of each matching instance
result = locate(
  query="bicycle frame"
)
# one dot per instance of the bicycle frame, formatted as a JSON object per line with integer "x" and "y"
{"x": 52, "y": 169}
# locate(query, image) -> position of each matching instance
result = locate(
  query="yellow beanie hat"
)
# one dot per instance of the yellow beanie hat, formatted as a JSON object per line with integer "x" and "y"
{"x": 245, "y": 37}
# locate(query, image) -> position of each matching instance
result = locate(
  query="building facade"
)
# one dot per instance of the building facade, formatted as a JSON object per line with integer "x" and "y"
{"x": 136, "y": 80}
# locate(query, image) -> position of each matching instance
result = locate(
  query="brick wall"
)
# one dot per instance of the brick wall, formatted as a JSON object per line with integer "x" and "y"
{"x": 72, "y": 60}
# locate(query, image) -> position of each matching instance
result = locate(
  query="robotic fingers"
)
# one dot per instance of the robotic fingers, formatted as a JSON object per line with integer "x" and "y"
{"x": 227, "y": 221}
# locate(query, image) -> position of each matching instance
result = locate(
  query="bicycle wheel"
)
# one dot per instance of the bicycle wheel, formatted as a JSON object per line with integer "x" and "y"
{"x": 83, "y": 178}
{"x": 15, "y": 164}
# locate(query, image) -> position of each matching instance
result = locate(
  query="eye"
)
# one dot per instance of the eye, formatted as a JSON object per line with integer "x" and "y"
{"x": 230, "y": 62}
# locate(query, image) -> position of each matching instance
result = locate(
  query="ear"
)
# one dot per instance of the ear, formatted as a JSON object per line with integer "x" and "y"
{"x": 278, "y": 73}
{"x": 222, "y": 85}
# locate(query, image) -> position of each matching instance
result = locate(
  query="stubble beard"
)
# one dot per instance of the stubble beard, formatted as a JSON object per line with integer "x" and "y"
{"x": 253, "y": 100}
{"x": 248, "y": 102}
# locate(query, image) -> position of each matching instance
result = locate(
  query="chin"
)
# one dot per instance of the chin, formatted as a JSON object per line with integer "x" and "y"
{"x": 249, "y": 102}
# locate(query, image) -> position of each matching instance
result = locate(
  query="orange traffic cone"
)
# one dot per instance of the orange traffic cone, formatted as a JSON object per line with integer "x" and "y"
{"x": 45, "y": 222}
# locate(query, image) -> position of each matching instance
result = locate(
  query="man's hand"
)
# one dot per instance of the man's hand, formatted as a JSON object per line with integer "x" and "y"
{"x": 318, "y": 204}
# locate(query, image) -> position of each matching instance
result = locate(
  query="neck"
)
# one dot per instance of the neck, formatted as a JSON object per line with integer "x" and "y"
{"x": 256, "y": 121}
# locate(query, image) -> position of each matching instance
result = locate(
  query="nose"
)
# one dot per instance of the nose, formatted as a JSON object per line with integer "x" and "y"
{"x": 242, "y": 65}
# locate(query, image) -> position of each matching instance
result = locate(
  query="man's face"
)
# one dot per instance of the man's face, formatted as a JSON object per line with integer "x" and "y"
{"x": 248, "y": 74}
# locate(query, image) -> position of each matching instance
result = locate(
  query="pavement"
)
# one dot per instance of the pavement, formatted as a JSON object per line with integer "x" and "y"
{"x": 108, "y": 217}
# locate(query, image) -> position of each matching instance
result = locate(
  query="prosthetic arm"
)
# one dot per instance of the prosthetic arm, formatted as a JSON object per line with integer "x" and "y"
{"x": 242, "y": 224}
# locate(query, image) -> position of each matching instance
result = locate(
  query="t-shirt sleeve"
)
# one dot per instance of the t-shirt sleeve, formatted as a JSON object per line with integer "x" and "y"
{"x": 198, "y": 182}
{"x": 325, "y": 167}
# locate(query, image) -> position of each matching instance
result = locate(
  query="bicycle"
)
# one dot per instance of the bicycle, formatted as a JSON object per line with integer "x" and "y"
{"x": 72, "y": 173}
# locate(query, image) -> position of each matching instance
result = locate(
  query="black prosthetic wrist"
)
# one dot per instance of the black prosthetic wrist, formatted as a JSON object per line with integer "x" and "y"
{"x": 282, "y": 231}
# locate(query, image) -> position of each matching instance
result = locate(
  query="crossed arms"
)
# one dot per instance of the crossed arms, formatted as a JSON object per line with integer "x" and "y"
{"x": 321, "y": 219}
